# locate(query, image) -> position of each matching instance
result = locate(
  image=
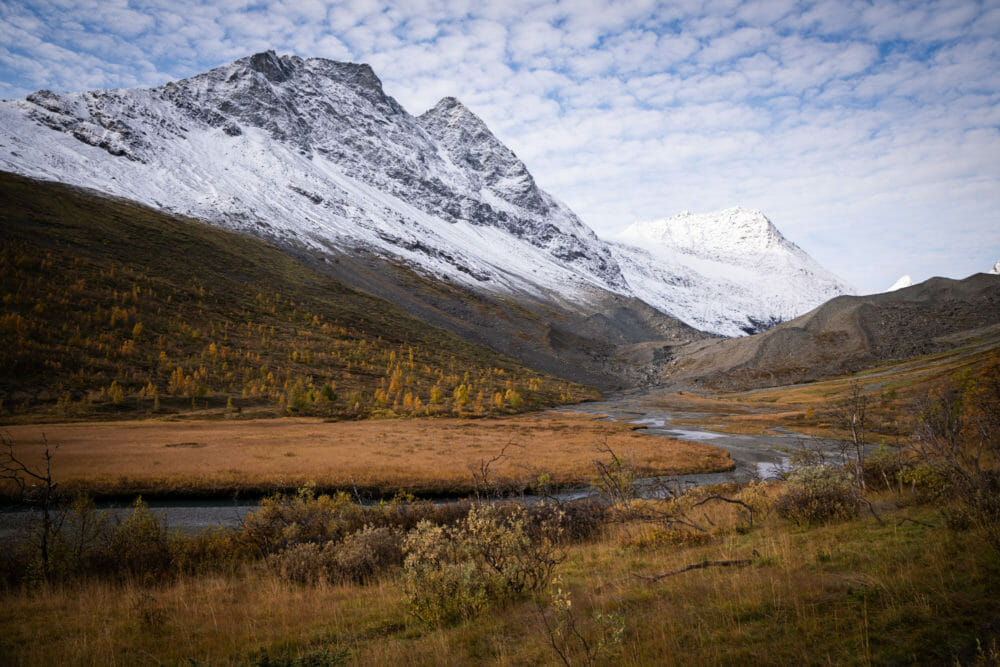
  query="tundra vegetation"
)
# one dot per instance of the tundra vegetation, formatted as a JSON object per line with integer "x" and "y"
{"x": 112, "y": 310}
{"x": 888, "y": 552}
{"x": 377, "y": 457}
{"x": 893, "y": 561}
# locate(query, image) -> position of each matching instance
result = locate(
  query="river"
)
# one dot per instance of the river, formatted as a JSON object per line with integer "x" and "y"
{"x": 756, "y": 457}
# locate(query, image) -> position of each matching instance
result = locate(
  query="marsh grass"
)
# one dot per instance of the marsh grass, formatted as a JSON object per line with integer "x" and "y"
{"x": 380, "y": 457}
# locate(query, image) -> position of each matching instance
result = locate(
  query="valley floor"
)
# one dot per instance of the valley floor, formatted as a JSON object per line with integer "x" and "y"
{"x": 194, "y": 458}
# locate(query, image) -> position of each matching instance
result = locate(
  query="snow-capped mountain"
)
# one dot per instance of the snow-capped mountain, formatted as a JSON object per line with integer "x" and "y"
{"x": 904, "y": 281}
{"x": 729, "y": 272}
{"x": 996, "y": 268}
{"x": 313, "y": 153}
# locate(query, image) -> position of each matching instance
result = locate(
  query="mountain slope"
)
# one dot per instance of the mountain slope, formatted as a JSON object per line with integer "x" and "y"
{"x": 313, "y": 150}
{"x": 730, "y": 272}
{"x": 431, "y": 212}
{"x": 114, "y": 308}
{"x": 846, "y": 334}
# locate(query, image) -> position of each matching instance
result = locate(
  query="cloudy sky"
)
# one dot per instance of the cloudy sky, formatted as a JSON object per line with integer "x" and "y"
{"x": 869, "y": 132}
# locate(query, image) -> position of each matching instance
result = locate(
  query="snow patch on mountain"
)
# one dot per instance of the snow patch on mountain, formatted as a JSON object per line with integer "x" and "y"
{"x": 996, "y": 268}
{"x": 729, "y": 272}
{"x": 904, "y": 281}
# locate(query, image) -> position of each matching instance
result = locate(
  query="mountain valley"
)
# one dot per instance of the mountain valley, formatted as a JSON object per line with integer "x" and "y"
{"x": 431, "y": 212}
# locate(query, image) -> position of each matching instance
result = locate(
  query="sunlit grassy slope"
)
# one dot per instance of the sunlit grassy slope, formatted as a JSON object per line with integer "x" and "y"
{"x": 113, "y": 309}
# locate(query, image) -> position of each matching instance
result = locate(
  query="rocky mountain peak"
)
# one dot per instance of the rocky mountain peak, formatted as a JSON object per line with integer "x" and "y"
{"x": 275, "y": 69}
{"x": 471, "y": 145}
{"x": 736, "y": 255}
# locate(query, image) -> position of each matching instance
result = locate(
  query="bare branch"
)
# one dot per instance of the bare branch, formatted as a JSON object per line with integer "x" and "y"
{"x": 919, "y": 523}
{"x": 728, "y": 500}
{"x": 871, "y": 508}
{"x": 696, "y": 566}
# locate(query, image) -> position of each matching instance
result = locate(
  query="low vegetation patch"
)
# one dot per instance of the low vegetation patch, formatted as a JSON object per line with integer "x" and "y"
{"x": 876, "y": 556}
{"x": 488, "y": 582}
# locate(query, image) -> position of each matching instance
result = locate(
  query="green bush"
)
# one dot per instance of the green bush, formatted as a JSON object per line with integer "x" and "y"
{"x": 817, "y": 493}
{"x": 139, "y": 546}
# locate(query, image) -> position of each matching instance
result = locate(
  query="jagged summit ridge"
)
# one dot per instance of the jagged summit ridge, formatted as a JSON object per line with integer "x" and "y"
{"x": 313, "y": 152}
{"x": 337, "y": 117}
{"x": 469, "y": 142}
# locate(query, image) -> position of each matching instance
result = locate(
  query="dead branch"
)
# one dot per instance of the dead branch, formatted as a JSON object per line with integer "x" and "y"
{"x": 728, "y": 500}
{"x": 871, "y": 508}
{"x": 483, "y": 483}
{"x": 696, "y": 566}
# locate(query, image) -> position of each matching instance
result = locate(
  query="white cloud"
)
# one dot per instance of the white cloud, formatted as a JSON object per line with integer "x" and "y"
{"x": 855, "y": 126}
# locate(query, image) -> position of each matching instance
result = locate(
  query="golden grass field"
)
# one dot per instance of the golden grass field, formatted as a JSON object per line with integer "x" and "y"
{"x": 430, "y": 456}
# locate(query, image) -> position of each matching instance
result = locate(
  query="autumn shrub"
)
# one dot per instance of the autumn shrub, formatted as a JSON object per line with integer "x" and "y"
{"x": 138, "y": 545}
{"x": 215, "y": 550}
{"x": 578, "y": 519}
{"x": 882, "y": 467}
{"x": 369, "y": 552}
{"x": 958, "y": 436}
{"x": 286, "y": 520}
{"x": 360, "y": 557}
{"x": 924, "y": 481}
{"x": 304, "y": 563}
{"x": 457, "y": 571}
{"x": 655, "y": 537}
{"x": 817, "y": 493}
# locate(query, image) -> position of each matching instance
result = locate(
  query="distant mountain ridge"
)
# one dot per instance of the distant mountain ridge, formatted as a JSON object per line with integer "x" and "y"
{"x": 313, "y": 154}
{"x": 712, "y": 266}
{"x": 847, "y": 334}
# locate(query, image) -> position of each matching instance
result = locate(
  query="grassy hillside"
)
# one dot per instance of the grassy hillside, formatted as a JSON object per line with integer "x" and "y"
{"x": 113, "y": 309}
{"x": 846, "y": 335}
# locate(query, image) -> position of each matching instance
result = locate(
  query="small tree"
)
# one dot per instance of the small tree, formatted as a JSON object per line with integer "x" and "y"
{"x": 852, "y": 414}
{"x": 958, "y": 433}
{"x": 36, "y": 488}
